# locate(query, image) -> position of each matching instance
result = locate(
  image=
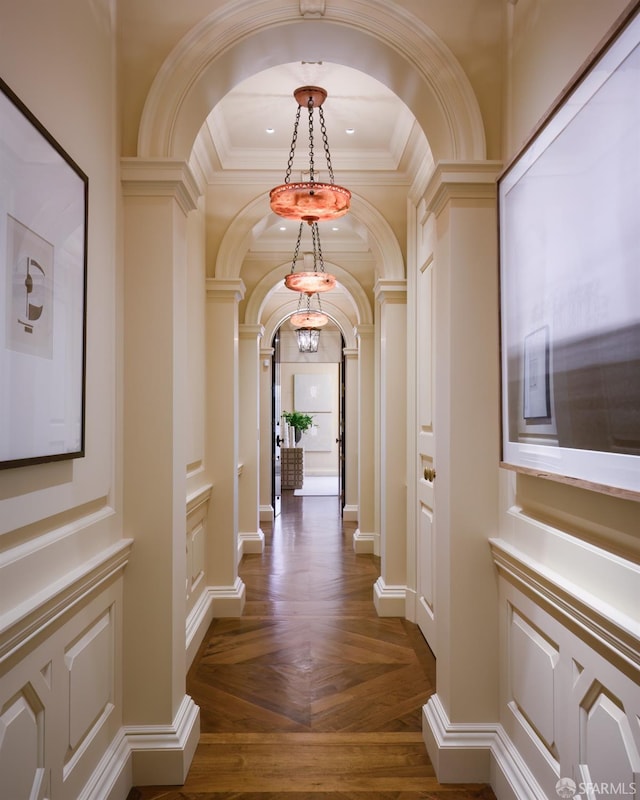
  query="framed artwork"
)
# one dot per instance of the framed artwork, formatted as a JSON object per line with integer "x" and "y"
{"x": 313, "y": 392}
{"x": 570, "y": 281}
{"x": 535, "y": 379}
{"x": 43, "y": 268}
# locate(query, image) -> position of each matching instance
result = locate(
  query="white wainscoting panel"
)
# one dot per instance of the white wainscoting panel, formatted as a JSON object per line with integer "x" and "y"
{"x": 61, "y": 684}
{"x": 570, "y": 667}
{"x": 533, "y": 661}
{"x": 90, "y": 667}
{"x": 22, "y": 764}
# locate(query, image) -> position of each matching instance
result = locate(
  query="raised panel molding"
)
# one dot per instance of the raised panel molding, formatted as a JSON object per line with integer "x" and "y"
{"x": 197, "y": 510}
{"x": 608, "y": 752}
{"x": 196, "y": 555}
{"x": 426, "y": 557}
{"x": 605, "y": 625}
{"x": 22, "y": 625}
{"x": 532, "y": 663}
{"x": 89, "y": 662}
{"x": 22, "y": 745}
{"x": 570, "y": 682}
{"x": 60, "y": 683}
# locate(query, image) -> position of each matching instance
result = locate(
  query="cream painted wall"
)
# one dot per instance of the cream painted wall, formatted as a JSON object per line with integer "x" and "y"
{"x": 60, "y": 523}
{"x": 79, "y": 111}
{"x": 567, "y": 558}
{"x": 549, "y": 42}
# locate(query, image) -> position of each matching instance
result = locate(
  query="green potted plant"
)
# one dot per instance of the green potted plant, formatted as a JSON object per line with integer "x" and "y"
{"x": 299, "y": 422}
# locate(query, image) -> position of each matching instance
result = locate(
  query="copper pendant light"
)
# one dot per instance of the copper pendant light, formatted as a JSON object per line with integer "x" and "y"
{"x": 307, "y": 317}
{"x": 310, "y": 200}
{"x": 310, "y": 281}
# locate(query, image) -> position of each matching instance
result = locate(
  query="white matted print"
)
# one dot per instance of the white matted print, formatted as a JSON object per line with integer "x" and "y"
{"x": 43, "y": 267}
{"x": 318, "y": 437}
{"x": 569, "y": 282}
{"x": 313, "y": 392}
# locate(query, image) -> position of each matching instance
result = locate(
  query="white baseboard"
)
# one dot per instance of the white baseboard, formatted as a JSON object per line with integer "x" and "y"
{"x": 476, "y": 753}
{"x": 112, "y": 779}
{"x": 364, "y": 542}
{"x": 266, "y": 514}
{"x": 389, "y": 600}
{"x": 162, "y": 754}
{"x": 411, "y": 600}
{"x": 227, "y": 601}
{"x": 350, "y": 513}
{"x": 198, "y": 622}
{"x": 250, "y": 542}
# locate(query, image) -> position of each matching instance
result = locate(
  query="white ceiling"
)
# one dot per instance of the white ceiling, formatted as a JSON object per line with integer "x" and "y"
{"x": 381, "y": 123}
{"x": 383, "y": 149}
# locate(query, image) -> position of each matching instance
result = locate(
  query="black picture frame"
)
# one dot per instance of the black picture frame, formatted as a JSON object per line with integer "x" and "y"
{"x": 43, "y": 277}
{"x": 569, "y": 253}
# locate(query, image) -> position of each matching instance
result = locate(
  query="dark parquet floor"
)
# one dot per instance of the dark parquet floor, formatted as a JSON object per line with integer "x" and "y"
{"x": 310, "y": 694}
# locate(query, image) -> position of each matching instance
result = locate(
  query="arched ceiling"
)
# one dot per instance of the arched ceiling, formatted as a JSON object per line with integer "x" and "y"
{"x": 376, "y": 149}
{"x": 391, "y": 80}
{"x": 380, "y": 123}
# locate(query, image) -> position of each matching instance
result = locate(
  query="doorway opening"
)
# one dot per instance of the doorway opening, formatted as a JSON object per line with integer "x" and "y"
{"x": 312, "y": 384}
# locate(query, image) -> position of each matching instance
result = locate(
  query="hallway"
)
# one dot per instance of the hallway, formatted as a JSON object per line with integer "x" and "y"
{"x": 309, "y": 693}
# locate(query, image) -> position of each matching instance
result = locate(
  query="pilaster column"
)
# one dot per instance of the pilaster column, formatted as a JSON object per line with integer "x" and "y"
{"x": 222, "y": 445}
{"x": 267, "y": 512}
{"x": 158, "y": 195}
{"x": 390, "y": 588}
{"x": 251, "y": 537}
{"x": 350, "y": 435}
{"x": 366, "y": 538}
{"x": 466, "y": 421}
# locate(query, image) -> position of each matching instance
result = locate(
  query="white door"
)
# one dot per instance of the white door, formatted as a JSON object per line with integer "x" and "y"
{"x": 425, "y": 468}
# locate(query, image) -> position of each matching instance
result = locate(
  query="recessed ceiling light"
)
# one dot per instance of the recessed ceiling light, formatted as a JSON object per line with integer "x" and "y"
{"x": 335, "y": 228}
{"x": 350, "y": 131}
{"x": 283, "y": 227}
{"x": 270, "y": 130}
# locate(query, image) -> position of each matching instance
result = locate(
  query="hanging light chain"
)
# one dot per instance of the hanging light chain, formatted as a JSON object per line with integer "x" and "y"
{"x": 292, "y": 150}
{"x": 311, "y": 162}
{"x": 325, "y": 142}
{"x": 297, "y": 248}
{"x": 308, "y": 296}
{"x": 317, "y": 248}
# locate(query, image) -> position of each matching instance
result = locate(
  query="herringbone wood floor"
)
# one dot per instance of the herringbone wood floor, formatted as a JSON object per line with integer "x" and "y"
{"x": 310, "y": 694}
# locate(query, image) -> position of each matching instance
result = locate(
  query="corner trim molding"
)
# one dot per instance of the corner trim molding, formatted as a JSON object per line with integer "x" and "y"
{"x": 160, "y": 177}
{"x": 603, "y": 623}
{"x": 462, "y": 180}
{"x": 476, "y": 753}
{"x": 350, "y": 513}
{"x": 227, "y": 601}
{"x": 389, "y": 600}
{"x": 267, "y": 513}
{"x": 63, "y": 598}
{"x": 250, "y": 542}
{"x": 364, "y": 542}
{"x": 162, "y": 754}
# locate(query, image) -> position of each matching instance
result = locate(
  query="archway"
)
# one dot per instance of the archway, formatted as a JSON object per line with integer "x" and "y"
{"x": 236, "y": 41}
